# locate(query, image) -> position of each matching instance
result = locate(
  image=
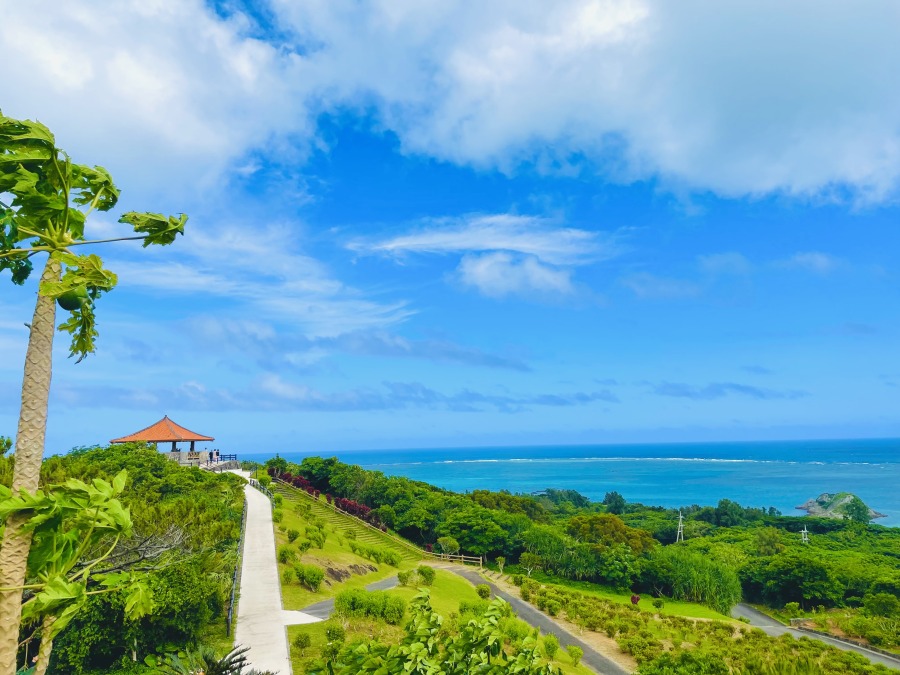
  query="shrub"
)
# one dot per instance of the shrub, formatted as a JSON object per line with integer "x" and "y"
{"x": 515, "y": 629}
{"x": 792, "y": 609}
{"x": 292, "y": 535}
{"x": 357, "y": 602}
{"x": 304, "y": 546}
{"x": 551, "y": 645}
{"x": 351, "y": 534}
{"x": 394, "y": 609}
{"x": 483, "y": 590}
{"x": 287, "y": 576}
{"x": 334, "y": 632}
{"x": 277, "y": 515}
{"x": 286, "y": 554}
{"x": 406, "y": 577}
{"x": 302, "y": 642}
{"x": 575, "y": 653}
{"x": 392, "y": 558}
{"x": 309, "y": 575}
{"x": 331, "y": 650}
{"x": 316, "y": 536}
{"x": 640, "y": 647}
{"x": 426, "y": 574}
{"x": 264, "y": 480}
{"x": 278, "y": 499}
{"x": 518, "y": 579}
{"x": 659, "y": 603}
{"x": 477, "y": 607}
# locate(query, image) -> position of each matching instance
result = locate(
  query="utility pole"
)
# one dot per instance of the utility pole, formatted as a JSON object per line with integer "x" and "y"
{"x": 679, "y": 536}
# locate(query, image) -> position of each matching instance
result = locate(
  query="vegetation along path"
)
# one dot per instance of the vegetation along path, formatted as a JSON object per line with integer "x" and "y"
{"x": 261, "y": 618}
{"x": 774, "y": 628}
{"x": 592, "y": 658}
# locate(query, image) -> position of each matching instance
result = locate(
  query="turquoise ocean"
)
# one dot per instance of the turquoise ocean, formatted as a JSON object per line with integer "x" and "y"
{"x": 782, "y": 474}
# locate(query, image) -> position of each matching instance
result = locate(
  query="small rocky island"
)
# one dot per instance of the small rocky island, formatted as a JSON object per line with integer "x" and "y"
{"x": 828, "y": 505}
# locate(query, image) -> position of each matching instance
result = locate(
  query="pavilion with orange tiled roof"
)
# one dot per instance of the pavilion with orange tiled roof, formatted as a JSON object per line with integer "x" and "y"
{"x": 165, "y": 431}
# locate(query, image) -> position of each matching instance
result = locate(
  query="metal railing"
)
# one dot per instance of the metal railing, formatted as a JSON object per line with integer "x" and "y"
{"x": 236, "y": 578}
{"x": 255, "y": 483}
{"x": 464, "y": 559}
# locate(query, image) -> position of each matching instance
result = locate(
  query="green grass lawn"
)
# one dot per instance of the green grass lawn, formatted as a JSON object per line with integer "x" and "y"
{"x": 335, "y": 553}
{"x": 691, "y": 610}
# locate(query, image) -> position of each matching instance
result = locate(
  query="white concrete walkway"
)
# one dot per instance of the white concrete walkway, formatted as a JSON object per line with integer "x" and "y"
{"x": 261, "y": 619}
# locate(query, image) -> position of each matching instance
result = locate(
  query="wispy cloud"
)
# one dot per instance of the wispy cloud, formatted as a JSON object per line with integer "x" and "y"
{"x": 503, "y": 254}
{"x": 273, "y": 392}
{"x": 757, "y": 370}
{"x": 647, "y": 285}
{"x": 717, "y": 390}
{"x": 262, "y": 271}
{"x": 724, "y": 264}
{"x": 811, "y": 261}
{"x": 260, "y": 341}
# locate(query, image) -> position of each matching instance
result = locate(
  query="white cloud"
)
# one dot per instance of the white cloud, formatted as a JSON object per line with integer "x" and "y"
{"x": 500, "y": 274}
{"x": 503, "y": 254}
{"x": 527, "y": 235}
{"x": 165, "y": 94}
{"x": 738, "y": 98}
{"x": 811, "y": 261}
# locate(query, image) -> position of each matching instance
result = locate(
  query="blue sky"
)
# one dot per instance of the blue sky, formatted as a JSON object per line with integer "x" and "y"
{"x": 418, "y": 224}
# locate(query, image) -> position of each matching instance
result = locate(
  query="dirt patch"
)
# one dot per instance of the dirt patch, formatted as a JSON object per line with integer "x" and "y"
{"x": 362, "y": 569}
{"x": 337, "y": 574}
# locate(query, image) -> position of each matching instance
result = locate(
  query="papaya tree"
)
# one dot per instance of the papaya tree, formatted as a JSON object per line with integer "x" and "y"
{"x": 45, "y": 200}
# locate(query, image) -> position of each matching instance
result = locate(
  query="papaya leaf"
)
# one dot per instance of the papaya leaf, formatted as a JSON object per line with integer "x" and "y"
{"x": 157, "y": 228}
{"x": 139, "y": 601}
{"x": 119, "y": 481}
{"x": 80, "y": 326}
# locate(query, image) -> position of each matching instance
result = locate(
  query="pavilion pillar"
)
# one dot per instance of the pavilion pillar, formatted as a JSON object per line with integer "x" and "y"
{"x": 192, "y": 446}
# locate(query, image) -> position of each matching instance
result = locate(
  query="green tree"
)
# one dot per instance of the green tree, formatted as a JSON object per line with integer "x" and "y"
{"x": 857, "y": 511}
{"x": 768, "y": 541}
{"x": 474, "y": 529}
{"x": 449, "y": 545}
{"x": 51, "y": 199}
{"x": 614, "y": 502}
{"x": 575, "y": 653}
{"x": 530, "y": 562}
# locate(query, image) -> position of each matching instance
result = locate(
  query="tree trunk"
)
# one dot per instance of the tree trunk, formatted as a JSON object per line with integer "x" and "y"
{"x": 29, "y": 454}
{"x": 43, "y": 657}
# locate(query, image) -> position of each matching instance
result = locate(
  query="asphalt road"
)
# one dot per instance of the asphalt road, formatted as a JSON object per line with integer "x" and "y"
{"x": 774, "y": 628}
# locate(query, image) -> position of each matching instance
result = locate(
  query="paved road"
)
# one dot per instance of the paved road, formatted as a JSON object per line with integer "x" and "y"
{"x": 261, "y": 618}
{"x": 774, "y": 628}
{"x": 592, "y": 658}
